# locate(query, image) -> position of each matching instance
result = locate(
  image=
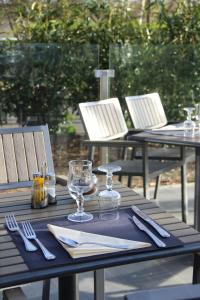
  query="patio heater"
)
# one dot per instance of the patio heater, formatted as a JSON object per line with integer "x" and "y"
{"x": 104, "y": 75}
{"x": 104, "y": 93}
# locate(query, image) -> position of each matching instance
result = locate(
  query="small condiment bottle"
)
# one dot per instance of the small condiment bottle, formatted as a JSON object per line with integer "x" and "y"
{"x": 50, "y": 184}
{"x": 39, "y": 194}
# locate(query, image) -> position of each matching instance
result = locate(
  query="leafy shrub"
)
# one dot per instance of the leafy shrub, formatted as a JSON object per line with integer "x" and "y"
{"x": 41, "y": 81}
{"x": 51, "y": 67}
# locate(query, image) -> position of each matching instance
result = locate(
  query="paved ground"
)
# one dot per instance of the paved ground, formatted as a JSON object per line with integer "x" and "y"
{"x": 124, "y": 279}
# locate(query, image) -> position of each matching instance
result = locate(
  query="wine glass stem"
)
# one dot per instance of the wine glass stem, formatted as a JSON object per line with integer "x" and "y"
{"x": 109, "y": 181}
{"x": 80, "y": 202}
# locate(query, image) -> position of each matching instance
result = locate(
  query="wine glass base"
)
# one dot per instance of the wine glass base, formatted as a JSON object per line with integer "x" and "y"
{"x": 109, "y": 215}
{"x": 80, "y": 217}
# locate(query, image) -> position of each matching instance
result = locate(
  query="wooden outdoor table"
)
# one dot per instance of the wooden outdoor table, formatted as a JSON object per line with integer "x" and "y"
{"x": 178, "y": 141}
{"x": 14, "y": 271}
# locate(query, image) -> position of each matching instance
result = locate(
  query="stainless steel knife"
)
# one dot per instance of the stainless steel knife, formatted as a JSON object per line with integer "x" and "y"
{"x": 146, "y": 218}
{"x": 154, "y": 238}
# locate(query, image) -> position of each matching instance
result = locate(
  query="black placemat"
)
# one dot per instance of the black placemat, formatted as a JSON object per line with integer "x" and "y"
{"x": 121, "y": 228}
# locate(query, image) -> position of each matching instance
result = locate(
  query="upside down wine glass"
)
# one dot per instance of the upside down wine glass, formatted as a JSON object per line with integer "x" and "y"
{"x": 109, "y": 198}
{"x": 189, "y": 125}
{"x": 80, "y": 181}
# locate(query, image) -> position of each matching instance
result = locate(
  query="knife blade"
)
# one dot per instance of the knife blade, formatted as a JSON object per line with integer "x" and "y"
{"x": 154, "y": 238}
{"x": 146, "y": 218}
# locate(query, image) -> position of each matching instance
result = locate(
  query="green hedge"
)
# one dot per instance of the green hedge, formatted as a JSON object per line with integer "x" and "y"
{"x": 40, "y": 82}
{"x": 172, "y": 71}
{"x": 51, "y": 67}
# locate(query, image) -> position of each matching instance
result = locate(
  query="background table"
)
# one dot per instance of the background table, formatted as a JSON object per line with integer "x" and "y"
{"x": 14, "y": 271}
{"x": 179, "y": 141}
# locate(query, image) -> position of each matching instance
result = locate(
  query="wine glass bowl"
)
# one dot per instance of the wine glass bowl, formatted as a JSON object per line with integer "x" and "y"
{"x": 189, "y": 125}
{"x": 80, "y": 181}
{"x": 90, "y": 194}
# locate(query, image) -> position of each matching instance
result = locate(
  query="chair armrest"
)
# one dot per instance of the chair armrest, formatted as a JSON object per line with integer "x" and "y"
{"x": 61, "y": 179}
{"x": 173, "y": 122}
{"x": 132, "y": 131}
{"x": 113, "y": 143}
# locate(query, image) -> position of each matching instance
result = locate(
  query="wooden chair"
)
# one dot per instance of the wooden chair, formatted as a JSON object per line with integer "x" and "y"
{"x": 181, "y": 292}
{"x": 106, "y": 127}
{"x": 147, "y": 112}
{"x": 22, "y": 152}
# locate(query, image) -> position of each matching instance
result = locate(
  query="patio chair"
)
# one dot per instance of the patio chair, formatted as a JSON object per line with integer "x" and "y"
{"x": 22, "y": 152}
{"x": 147, "y": 112}
{"x": 106, "y": 127}
{"x": 181, "y": 292}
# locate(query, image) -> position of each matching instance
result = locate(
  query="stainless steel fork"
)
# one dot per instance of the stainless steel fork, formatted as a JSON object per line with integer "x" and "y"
{"x": 12, "y": 225}
{"x": 30, "y": 234}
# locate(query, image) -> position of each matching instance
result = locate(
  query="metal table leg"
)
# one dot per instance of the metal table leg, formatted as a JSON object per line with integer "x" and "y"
{"x": 46, "y": 289}
{"x": 145, "y": 170}
{"x": 99, "y": 288}
{"x": 68, "y": 287}
{"x": 197, "y": 192}
{"x": 196, "y": 268}
{"x": 184, "y": 195}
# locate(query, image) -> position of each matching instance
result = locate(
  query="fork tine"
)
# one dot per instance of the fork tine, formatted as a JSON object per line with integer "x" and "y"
{"x": 6, "y": 218}
{"x": 14, "y": 220}
{"x": 9, "y": 221}
{"x": 30, "y": 227}
{"x": 25, "y": 228}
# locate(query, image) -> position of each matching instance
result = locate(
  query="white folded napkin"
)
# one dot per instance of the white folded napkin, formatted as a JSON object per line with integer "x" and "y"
{"x": 90, "y": 249}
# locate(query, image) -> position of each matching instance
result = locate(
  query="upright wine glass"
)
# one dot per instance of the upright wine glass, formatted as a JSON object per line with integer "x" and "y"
{"x": 80, "y": 181}
{"x": 189, "y": 125}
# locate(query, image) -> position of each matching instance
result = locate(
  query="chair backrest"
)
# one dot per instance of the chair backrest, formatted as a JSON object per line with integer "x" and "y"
{"x": 22, "y": 152}
{"x": 103, "y": 120}
{"x": 146, "y": 111}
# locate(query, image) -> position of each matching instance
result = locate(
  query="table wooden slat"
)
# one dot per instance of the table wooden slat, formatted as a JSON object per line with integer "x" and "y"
{"x": 9, "y": 253}
{"x": 5, "y": 238}
{"x": 11, "y": 261}
{"x": 13, "y": 269}
{"x": 6, "y": 246}
{"x": 184, "y": 232}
